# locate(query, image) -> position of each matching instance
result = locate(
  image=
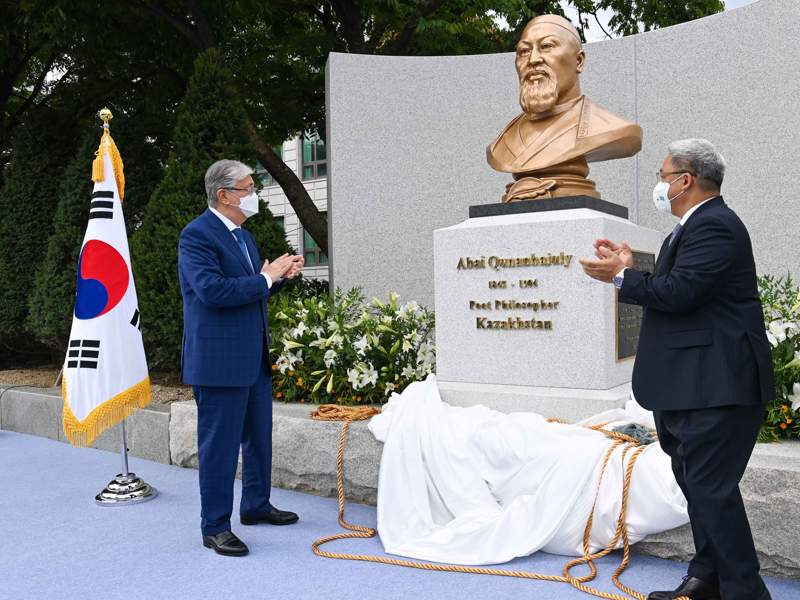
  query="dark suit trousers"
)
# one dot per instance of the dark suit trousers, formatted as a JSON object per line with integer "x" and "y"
{"x": 710, "y": 448}
{"x": 228, "y": 417}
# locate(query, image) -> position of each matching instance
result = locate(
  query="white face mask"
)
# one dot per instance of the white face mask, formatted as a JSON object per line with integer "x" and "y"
{"x": 249, "y": 205}
{"x": 661, "y": 196}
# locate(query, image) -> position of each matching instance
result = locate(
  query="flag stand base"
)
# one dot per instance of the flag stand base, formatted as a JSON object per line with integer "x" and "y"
{"x": 126, "y": 488}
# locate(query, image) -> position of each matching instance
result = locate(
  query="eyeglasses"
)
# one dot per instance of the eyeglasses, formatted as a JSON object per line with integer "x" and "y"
{"x": 661, "y": 174}
{"x": 249, "y": 189}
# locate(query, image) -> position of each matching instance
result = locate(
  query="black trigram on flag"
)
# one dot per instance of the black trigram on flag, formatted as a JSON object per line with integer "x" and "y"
{"x": 136, "y": 320}
{"x": 103, "y": 207}
{"x": 83, "y": 353}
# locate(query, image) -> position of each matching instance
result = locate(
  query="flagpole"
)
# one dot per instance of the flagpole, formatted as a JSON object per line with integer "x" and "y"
{"x": 123, "y": 450}
{"x": 126, "y": 488}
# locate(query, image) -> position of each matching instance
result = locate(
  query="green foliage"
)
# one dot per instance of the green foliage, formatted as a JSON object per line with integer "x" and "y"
{"x": 209, "y": 127}
{"x": 52, "y": 299}
{"x": 781, "y": 301}
{"x": 340, "y": 349}
{"x": 644, "y": 15}
{"x": 27, "y": 203}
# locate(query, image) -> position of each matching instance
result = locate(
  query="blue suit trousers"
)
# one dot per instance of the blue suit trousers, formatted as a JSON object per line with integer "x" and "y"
{"x": 227, "y": 418}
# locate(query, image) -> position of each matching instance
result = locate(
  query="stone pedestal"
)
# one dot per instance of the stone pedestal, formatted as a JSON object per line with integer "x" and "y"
{"x": 519, "y": 326}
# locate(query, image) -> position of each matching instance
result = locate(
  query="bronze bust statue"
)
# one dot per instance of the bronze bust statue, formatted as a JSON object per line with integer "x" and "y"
{"x": 548, "y": 146}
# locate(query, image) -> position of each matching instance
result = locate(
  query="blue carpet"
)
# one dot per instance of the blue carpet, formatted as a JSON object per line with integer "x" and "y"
{"x": 56, "y": 543}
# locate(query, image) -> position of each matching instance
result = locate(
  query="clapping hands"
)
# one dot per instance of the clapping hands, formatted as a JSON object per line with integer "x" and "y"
{"x": 286, "y": 266}
{"x": 612, "y": 258}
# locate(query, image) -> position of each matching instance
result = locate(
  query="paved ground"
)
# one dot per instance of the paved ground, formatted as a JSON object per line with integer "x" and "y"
{"x": 55, "y": 543}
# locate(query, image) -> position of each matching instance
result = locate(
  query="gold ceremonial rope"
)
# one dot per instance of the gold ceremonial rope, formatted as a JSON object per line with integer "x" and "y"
{"x": 331, "y": 412}
{"x": 107, "y": 144}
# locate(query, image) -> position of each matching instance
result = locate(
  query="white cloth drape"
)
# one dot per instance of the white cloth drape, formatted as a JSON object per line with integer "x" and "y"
{"x": 475, "y": 486}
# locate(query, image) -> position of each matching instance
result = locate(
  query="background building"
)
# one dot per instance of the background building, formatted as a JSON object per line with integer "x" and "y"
{"x": 306, "y": 156}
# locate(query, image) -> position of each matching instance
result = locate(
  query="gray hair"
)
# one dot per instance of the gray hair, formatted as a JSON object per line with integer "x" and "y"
{"x": 700, "y": 157}
{"x": 224, "y": 174}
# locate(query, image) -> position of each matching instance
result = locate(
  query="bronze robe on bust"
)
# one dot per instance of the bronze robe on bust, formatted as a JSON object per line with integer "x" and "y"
{"x": 554, "y": 161}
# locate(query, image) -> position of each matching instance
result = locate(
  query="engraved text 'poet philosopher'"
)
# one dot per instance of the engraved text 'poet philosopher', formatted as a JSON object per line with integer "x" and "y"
{"x": 548, "y": 146}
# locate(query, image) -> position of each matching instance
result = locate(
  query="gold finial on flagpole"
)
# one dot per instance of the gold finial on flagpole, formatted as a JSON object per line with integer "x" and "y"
{"x": 105, "y": 115}
{"x": 108, "y": 145}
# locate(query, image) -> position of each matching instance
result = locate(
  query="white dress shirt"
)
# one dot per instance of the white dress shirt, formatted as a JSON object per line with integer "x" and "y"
{"x": 231, "y": 226}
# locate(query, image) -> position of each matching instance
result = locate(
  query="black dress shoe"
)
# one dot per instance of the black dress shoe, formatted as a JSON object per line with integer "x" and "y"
{"x": 225, "y": 543}
{"x": 691, "y": 587}
{"x": 273, "y": 517}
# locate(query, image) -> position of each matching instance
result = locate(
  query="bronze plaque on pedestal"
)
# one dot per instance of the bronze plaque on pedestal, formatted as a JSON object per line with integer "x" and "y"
{"x": 629, "y": 316}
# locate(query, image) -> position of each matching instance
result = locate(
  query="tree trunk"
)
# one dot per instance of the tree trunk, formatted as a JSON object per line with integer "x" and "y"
{"x": 313, "y": 221}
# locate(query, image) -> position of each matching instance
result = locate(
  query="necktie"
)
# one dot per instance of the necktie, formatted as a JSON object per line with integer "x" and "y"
{"x": 674, "y": 233}
{"x": 237, "y": 233}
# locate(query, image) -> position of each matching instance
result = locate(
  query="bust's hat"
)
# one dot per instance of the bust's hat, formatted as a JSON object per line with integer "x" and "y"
{"x": 558, "y": 21}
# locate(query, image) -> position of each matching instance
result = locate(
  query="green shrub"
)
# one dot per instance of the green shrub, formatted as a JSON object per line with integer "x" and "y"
{"x": 781, "y": 301}
{"x": 28, "y": 202}
{"x": 53, "y": 297}
{"x": 340, "y": 349}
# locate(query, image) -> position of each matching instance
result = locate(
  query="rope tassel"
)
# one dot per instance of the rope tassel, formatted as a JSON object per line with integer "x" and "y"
{"x": 98, "y": 168}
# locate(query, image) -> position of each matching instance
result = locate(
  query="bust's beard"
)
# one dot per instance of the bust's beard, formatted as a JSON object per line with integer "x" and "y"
{"x": 538, "y": 95}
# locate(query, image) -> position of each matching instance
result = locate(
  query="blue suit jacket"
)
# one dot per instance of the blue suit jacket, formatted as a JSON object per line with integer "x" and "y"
{"x": 225, "y": 329}
{"x": 702, "y": 342}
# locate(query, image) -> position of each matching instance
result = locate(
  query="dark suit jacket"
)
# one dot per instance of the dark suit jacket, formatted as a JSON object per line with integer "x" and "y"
{"x": 225, "y": 330}
{"x": 702, "y": 341}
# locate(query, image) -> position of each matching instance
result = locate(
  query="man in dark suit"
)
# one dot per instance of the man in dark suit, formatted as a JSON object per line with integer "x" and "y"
{"x": 226, "y": 354}
{"x": 703, "y": 365}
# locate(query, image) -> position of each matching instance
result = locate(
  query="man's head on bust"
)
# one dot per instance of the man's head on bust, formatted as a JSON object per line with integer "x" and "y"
{"x": 549, "y": 59}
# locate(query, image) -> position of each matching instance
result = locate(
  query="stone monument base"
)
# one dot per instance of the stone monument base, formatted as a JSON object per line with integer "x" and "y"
{"x": 568, "y": 404}
{"x": 519, "y": 325}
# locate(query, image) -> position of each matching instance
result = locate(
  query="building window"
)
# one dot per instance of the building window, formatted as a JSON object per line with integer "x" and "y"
{"x": 262, "y": 174}
{"x": 312, "y": 253}
{"x": 314, "y": 164}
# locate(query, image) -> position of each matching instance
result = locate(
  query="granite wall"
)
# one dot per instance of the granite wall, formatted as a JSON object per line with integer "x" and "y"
{"x": 407, "y": 137}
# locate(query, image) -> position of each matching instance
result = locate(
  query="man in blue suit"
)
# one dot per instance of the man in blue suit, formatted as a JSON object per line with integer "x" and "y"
{"x": 226, "y": 354}
{"x": 703, "y": 365}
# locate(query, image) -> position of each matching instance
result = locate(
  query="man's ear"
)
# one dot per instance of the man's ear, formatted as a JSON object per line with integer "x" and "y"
{"x": 581, "y": 60}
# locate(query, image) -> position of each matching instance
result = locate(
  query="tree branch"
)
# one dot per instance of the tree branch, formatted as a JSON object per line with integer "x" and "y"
{"x": 178, "y": 23}
{"x": 37, "y": 88}
{"x": 407, "y": 34}
{"x": 313, "y": 221}
{"x": 352, "y": 22}
{"x": 203, "y": 27}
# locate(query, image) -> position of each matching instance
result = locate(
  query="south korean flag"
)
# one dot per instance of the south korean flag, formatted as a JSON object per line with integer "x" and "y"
{"x": 105, "y": 374}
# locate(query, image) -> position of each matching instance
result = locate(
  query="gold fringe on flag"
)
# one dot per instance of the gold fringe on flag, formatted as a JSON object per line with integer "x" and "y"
{"x": 105, "y": 416}
{"x": 98, "y": 169}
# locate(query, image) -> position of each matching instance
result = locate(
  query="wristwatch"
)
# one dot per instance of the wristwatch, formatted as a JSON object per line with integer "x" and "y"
{"x": 618, "y": 278}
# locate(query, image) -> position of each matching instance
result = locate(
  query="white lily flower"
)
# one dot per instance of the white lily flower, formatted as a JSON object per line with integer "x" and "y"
{"x": 299, "y": 330}
{"x": 353, "y": 377}
{"x": 369, "y": 376}
{"x": 409, "y": 308}
{"x": 330, "y": 358}
{"x": 390, "y": 387}
{"x": 408, "y": 372}
{"x": 283, "y": 364}
{"x": 361, "y": 345}
{"x": 794, "y": 397}
{"x": 776, "y": 333}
